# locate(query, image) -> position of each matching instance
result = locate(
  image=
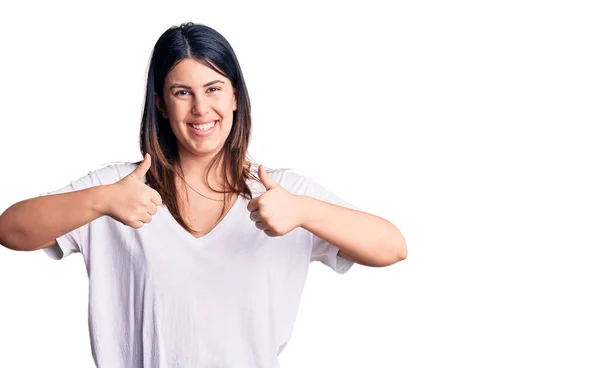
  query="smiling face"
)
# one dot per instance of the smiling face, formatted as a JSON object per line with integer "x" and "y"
{"x": 199, "y": 104}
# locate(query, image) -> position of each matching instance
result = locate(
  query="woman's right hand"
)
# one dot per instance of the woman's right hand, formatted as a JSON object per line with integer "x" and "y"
{"x": 130, "y": 201}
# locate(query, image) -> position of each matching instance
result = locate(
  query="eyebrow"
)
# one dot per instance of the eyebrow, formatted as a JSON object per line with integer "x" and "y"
{"x": 176, "y": 85}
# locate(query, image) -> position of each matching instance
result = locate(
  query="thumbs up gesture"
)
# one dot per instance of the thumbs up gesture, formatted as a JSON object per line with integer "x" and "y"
{"x": 276, "y": 212}
{"x": 131, "y": 202}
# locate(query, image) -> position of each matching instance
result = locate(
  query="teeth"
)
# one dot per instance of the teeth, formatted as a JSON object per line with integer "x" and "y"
{"x": 204, "y": 127}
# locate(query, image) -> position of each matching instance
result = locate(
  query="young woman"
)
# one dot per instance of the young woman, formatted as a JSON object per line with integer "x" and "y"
{"x": 196, "y": 256}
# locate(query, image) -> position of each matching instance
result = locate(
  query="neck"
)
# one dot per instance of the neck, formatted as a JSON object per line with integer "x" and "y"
{"x": 194, "y": 171}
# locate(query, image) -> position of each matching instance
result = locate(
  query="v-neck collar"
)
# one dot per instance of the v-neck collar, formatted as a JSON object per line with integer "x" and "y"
{"x": 217, "y": 229}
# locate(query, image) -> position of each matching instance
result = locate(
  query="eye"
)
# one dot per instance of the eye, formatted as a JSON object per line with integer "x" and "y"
{"x": 213, "y": 89}
{"x": 180, "y": 92}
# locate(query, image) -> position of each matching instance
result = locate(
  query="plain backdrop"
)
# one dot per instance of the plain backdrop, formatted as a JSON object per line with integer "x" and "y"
{"x": 470, "y": 125}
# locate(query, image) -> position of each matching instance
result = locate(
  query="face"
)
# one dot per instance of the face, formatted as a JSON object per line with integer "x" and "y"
{"x": 199, "y": 104}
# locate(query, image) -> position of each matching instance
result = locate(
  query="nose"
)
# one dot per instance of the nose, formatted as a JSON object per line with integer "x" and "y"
{"x": 200, "y": 105}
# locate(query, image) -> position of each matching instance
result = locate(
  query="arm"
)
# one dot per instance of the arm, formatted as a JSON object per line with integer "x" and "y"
{"x": 361, "y": 237}
{"x": 35, "y": 223}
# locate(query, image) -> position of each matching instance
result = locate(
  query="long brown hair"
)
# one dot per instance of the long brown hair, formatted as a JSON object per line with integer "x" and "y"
{"x": 207, "y": 46}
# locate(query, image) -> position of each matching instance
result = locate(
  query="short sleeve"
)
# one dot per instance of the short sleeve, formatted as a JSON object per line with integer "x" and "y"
{"x": 322, "y": 250}
{"x": 76, "y": 241}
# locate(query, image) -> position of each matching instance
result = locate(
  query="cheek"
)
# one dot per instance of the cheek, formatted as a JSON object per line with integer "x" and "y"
{"x": 226, "y": 106}
{"x": 178, "y": 113}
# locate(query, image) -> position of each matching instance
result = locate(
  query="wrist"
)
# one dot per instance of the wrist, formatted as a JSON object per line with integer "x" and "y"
{"x": 303, "y": 205}
{"x": 100, "y": 196}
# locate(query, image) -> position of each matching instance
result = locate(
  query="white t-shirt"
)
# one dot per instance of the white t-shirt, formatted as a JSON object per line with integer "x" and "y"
{"x": 159, "y": 297}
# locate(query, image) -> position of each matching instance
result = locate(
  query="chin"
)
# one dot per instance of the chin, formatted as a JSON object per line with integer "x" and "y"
{"x": 203, "y": 149}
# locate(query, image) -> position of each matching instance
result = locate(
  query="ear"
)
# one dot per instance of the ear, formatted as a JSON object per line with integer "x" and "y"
{"x": 234, "y": 103}
{"x": 160, "y": 105}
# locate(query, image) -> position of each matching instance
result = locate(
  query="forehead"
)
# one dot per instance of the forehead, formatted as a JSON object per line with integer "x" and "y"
{"x": 193, "y": 73}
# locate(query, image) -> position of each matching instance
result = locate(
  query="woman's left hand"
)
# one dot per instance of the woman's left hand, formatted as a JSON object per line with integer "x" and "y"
{"x": 277, "y": 211}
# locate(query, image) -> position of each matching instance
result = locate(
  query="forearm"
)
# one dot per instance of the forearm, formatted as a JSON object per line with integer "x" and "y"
{"x": 29, "y": 224}
{"x": 370, "y": 239}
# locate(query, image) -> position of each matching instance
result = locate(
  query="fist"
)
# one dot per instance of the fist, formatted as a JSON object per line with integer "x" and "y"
{"x": 277, "y": 211}
{"x": 131, "y": 202}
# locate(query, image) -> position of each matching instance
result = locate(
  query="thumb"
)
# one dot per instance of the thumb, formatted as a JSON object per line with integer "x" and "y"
{"x": 267, "y": 181}
{"x": 142, "y": 169}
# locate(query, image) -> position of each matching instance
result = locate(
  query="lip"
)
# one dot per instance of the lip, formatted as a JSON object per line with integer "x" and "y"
{"x": 200, "y": 122}
{"x": 200, "y": 133}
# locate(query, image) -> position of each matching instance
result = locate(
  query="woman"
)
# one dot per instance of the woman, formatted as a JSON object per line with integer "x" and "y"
{"x": 196, "y": 256}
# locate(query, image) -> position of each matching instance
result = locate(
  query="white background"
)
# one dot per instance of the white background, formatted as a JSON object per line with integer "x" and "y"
{"x": 470, "y": 125}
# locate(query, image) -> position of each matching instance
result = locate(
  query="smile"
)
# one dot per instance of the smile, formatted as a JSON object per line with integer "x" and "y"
{"x": 203, "y": 130}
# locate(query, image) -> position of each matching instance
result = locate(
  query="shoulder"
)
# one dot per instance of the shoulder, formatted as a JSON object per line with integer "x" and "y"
{"x": 103, "y": 175}
{"x": 112, "y": 172}
{"x": 289, "y": 178}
